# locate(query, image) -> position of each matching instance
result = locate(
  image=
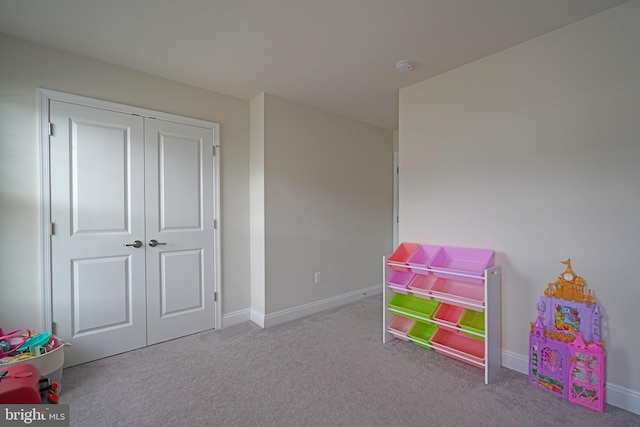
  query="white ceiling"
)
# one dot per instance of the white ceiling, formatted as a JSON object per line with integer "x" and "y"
{"x": 336, "y": 55}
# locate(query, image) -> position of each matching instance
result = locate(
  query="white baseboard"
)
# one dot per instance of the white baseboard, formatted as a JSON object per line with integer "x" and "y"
{"x": 293, "y": 313}
{"x": 515, "y": 362}
{"x": 257, "y": 318}
{"x": 623, "y": 398}
{"x": 617, "y": 396}
{"x": 235, "y": 318}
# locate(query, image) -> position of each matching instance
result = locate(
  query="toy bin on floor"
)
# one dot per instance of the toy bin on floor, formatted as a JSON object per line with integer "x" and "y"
{"x": 49, "y": 364}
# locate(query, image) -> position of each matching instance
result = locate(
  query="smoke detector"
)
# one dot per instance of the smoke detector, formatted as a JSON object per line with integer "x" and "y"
{"x": 404, "y": 66}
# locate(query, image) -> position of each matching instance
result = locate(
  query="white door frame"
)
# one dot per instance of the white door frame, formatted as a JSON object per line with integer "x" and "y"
{"x": 44, "y": 97}
{"x": 396, "y": 195}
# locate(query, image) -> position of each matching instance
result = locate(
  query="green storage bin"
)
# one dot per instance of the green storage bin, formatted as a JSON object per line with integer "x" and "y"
{"x": 412, "y": 307}
{"x": 473, "y": 321}
{"x": 421, "y": 333}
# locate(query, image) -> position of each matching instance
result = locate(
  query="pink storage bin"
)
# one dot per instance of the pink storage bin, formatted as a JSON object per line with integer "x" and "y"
{"x": 468, "y": 295}
{"x": 399, "y": 281}
{"x": 422, "y": 257}
{"x": 467, "y": 261}
{"x": 448, "y": 314}
{"x": 459, "y": 347}
{"x": 421, "y": 285}
{"x": 398, "y": 260}
{"x": 399, "y": 327}
{"x": 459, "y": 356}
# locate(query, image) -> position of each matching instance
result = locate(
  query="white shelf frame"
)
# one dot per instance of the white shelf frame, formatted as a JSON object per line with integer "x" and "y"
{"x": 491, "y": 307}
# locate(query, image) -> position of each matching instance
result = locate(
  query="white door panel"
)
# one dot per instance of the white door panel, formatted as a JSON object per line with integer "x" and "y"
{"x": 99, "y": 177}
{"x": 179, "y": 199}
{"x": 97, "y": 206}
{"x": 180, "y": 191}
{"x": 181, "y": 282}
{"x": 101, "y": 289}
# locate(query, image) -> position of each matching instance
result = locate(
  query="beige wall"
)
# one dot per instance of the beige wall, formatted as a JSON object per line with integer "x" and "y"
{"x": 321, "y": 186}
{"x": 328, "y": 204}
{"x": 26, "y": 67}
{"x": 535, "y": 152}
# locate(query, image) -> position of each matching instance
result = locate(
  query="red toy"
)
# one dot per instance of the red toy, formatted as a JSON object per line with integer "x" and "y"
{"x": 21, "y": 384}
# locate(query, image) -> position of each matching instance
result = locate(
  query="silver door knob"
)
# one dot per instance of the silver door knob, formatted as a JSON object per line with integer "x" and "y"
{"x": 135, "y": 244}
{"x": 153, "y": 243}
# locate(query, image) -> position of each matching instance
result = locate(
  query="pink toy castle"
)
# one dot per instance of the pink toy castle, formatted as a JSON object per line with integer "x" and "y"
{"x": 566, "y": 354}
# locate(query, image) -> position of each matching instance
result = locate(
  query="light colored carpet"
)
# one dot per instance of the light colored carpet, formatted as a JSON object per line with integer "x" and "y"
{"x": 329, "y": 369}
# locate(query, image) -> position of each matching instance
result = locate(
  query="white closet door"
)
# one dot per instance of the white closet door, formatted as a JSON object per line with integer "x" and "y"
{"x": 97, "y": 207}
{"x": 119, "y": 183}
{"x": 180, "y": 212}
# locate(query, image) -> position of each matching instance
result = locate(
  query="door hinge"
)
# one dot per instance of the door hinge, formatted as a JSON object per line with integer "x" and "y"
{"x": 214, "y": 150}
{"x": 397, "y": 220}
{"x": 215, "y": 224}
{"x": 51, "y": 229}
{"x": 398, "y": 170}
{"x": 54, "y": 328}
{"x": 215, "y": 297}
{"x": 50, "y": 129}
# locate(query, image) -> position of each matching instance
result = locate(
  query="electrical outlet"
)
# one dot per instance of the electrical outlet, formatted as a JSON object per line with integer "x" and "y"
{"x": 317, "y": 277}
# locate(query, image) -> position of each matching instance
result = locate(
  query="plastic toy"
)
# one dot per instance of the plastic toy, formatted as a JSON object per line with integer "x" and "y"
{"x": 9, "y": 343}
{"x": 22, "y": 384}
{"x": 39, "y": 340}
{"x": 566, "y": 354}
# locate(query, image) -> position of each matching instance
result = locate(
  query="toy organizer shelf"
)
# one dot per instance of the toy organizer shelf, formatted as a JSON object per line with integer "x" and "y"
{"x": 445, "y": 299}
